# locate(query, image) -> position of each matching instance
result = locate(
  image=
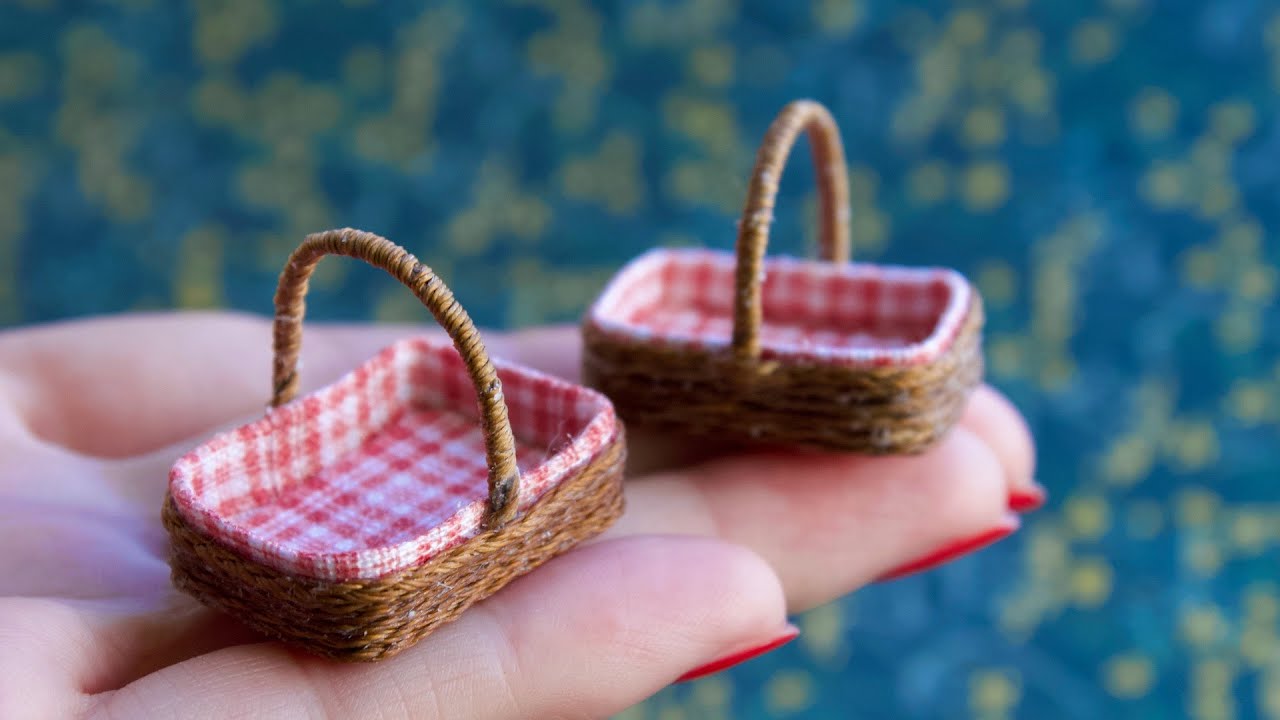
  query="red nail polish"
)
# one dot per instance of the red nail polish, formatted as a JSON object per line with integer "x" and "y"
{"x": 955, "y": 550}
{"x": 1025, "y": 500}
{"x": 738, "y": 658}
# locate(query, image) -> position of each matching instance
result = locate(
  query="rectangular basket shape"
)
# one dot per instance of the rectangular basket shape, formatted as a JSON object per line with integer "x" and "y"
{"x": 871, "y": 358}
{"x": 351, "y": 521}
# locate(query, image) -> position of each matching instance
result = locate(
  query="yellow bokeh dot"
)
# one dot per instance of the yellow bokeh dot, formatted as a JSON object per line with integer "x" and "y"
{"x": 199, "y": 272}
{"x": 1250, "y": 531}
{"x": 1269, "y": 694}
{"x": 1262, "y": 603}
{"x": 712, "y": 65}
{"x": 1030, "y": 89}
{"x": 1204, "y": 557}
{"x": 1242, "y": 238}
{"x": 1252, "y": 402}
{"x": 984, "y": 126}
{"x": 822, "y": 631}
{"x": 21, "y": 75}
{"x": 927, "y": 183}
{"x": 1153, "y": 113}
{"x": 1271, "y": 32}
{"x": 837, "y": 17}
{"x": 713, "y": 693}
{"x": 676, "y": 239}
{"x": 1218, "y": 198}
{"x": 985, "y": 186}
{"x": 364, "y": 70}
{"x": 1259, "y": 647}
{"x": 1144, "y": 519}
{"x": 1210, "y": 157}
{"x": 1057, "y": 372}
{"x": 1090, "y": 582}
{"x": 610, "y": 177}
{"x": 1093, "y": 41}
{"x": 1021, "y": 45}
{"x": 1129, "y": 676}
{"x": 673, "y": 712}
{"x": 1232, "y": 121}
{"x": 863, "y": 185}
{"x": 1202, "y": 627}
{"x": 988, "y": 76}
{"x": 789, "y": 691}
{"x": 998, "y": 283}
{"x": 1239, "y": 329}
{"x": 1200, "y": 267}
{"x": 1047, "y": 551}
{"x": 1193, "y": 444}
{"x": 1196, "y": 508}
{"x": 1165, "y": 185}
{"x": 1088, "y": 517}
{"x": 968, "y": 27}
{"x": 869, "y": 228}
{"x": 1257, "y": 282}
{"x": 993, "y": 691}
{"x": 1007, "y": 356}
{"x": 1129, "y": 460}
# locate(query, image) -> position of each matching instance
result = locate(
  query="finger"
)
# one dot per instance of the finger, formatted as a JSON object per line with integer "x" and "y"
{"x": 122, "y": 386}
{"x": 590, "y": 634}
{"x": 991, "y": 416}
{"x": 829, "y": 523}
{"x": 42, "y": 644}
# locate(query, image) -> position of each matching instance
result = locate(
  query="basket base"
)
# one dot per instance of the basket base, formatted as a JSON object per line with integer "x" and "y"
{"x": 376, "y": 619}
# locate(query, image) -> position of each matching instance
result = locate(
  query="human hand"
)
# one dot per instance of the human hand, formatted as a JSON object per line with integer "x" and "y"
{"x": 714, "y": 550}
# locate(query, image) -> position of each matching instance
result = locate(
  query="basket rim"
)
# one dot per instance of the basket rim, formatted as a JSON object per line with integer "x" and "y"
{"x": 602, "y": 317}
{"x": 597, "y": 433}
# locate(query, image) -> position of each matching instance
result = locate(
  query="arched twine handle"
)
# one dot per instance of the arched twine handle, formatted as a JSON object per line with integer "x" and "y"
{"x": 757, "y": 215}
{"x": 500, "y": 447}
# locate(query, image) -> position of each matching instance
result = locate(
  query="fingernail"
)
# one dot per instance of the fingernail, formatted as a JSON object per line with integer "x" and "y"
{"x": 738, "y": 658}
{"x": 1028, "y": 499}
{"x": 946, "y": 554}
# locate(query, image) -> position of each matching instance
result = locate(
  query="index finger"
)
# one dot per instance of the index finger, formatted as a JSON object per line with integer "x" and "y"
{"x": 127, "y": 385}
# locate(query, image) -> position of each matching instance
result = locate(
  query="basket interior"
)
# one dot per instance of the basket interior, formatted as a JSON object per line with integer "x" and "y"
{"x": 386, "y": 467}
{"x": 857, "y": 312}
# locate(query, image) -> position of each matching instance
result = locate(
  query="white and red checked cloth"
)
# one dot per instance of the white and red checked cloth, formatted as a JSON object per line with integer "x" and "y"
{"x": 840, "y": 314}
{"x": 383, "y": 469}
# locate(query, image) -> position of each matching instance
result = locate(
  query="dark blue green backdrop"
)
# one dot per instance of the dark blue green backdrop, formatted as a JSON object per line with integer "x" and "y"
{"x": 1106, "y": 170}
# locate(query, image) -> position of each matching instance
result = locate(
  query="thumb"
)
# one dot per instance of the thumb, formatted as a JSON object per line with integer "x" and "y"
{"x": 588, "y": 635}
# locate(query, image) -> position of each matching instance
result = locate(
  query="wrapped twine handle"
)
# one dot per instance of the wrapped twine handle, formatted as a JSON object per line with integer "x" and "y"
{"x": 504, "y": 477}
{"x": 757, "y": 215}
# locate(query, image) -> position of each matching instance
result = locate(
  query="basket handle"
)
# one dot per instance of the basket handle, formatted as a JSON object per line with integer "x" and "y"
{"x": 757, "y": 215}
{"x": 504, "y": 476}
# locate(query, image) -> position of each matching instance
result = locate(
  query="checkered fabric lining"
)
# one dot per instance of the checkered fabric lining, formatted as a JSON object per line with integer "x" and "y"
{"x": 383, "y": 469}
{"x": 850, "y": 314}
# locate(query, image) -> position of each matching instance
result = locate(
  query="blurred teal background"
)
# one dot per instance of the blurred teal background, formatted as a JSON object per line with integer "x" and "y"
{"x": 1106, "y": 170}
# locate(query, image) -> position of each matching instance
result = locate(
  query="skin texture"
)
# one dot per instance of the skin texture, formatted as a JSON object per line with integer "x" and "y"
{"x": 717, "y": 546}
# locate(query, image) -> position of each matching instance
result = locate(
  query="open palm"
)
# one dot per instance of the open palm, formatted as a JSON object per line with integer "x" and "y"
{"x": 717, "y": 545}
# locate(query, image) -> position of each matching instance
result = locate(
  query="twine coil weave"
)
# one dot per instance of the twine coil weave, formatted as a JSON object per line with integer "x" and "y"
{"x": 735, "y": 392}
{"x": 368, "y": 620}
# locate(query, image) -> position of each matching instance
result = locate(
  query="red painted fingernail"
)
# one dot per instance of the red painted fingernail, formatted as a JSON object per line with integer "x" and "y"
{"x": 738, "y": 658}
{"x": 955, "y": 550}
{"x": 1029, "y": 499}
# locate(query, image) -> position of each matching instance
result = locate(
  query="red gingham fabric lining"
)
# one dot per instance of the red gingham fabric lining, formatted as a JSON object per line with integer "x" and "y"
{"x": 383, "y": 469}
{"x": 849, "y": 314}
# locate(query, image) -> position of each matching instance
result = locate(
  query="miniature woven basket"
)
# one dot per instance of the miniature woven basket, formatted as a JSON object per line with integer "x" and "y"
{"x": 354, "y": 521}
{"x": 849, "y": 356}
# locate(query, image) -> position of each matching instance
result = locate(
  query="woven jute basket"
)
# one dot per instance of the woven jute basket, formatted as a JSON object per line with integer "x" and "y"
{"x": 354, "y": 521}
{"x": 850, "y": 356}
